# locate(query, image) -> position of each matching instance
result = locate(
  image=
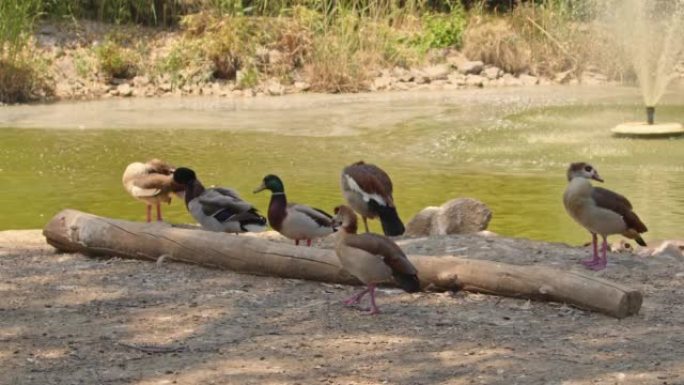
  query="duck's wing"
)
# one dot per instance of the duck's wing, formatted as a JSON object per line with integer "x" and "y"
{"x": 370, "y": 181}
{"x": 405, "y": 274}
{"x": 617, "y": 203}
{"x": 222, "y": 199}
{"x": 319, "y": 216}
{"x": 377, "y": 244}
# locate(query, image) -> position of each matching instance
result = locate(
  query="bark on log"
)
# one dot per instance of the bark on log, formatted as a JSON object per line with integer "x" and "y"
{"x": 75, "y": 231}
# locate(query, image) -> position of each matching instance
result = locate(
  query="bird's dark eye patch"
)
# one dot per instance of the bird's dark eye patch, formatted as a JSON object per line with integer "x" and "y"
{"x": 587, "y": 168}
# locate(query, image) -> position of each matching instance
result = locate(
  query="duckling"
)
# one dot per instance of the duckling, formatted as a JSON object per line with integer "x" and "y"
{"x": 372, "y": 258}
{"x": 151, "y": 182}
{"x": 600, "y": 211}
{"x": 368, "y": 190}
{"x": 292, "y": 220}
{"x": 217, "y": 208}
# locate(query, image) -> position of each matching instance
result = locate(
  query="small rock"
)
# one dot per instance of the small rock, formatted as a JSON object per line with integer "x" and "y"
{"x": 471, "y": 67}
{"x": 492, "y": 73}
{"x": 302, "y": 86}
{"x": 421, "y": 223}
{"x": 474, "y": 81}
{"x": 528, "y": 80}
{"x": 381, "y": 83}
{"x": 668, "y": 249}
{"x": 420, "y": 77}
{"x": 275, "y": 88}
{"x": 457, "y": 79}
{"x": 437, "y": 72}
{"x": 510, "y": 80}
{"x": 461, "y": 216}
{"x": 125, "y": 90}
{"x": 141, "y": 81}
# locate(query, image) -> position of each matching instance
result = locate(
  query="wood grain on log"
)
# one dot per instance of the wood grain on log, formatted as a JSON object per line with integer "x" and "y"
{"x": 75, "y": 231}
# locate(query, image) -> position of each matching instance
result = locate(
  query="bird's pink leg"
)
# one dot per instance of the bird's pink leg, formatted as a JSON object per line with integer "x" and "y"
{"x": 308, "y": 242}
{"x": 595, "y": 260}
{"x": 374, "y": 309}
{"x": 354, "y": 299}
{"x": 149, "y": 213}
{"x": 159, "y": 215}
{"x": 603, "y": 261}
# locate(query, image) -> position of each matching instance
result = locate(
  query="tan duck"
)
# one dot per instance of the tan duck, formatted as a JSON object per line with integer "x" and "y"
{"x": 218, "y": 208}
{"x": 600, "y": 211}
{"x": 368, "y": 190}
{"x": 295, "y": 221}
{"x": 372, "y": 258}
{"x": 152, "y": 183}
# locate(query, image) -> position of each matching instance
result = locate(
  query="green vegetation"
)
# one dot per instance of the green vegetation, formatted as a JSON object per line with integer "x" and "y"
{"x": 334, "y": 45}
{"x": 21, "y": 76}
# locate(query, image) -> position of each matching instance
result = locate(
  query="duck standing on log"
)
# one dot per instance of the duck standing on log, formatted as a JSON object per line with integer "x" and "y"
{"x": 368, "y": 190}
{"x": 217, "y": 208}
{"x": 600, "y": 211}
{"x": 372, "y": 258}
{"x": 152, "y": 183}
{"x": 295, "y": 221}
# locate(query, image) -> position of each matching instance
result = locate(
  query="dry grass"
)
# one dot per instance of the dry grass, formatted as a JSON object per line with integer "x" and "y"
{"x": 23, "y": 80}
{"x": 495, "y": 42}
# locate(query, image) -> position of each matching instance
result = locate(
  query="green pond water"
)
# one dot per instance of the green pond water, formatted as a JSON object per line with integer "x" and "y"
{"x": 507, "y": 147}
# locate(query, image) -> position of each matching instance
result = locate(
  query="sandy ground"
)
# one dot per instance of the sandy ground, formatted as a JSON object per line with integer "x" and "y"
{"x": 70, "y": 319}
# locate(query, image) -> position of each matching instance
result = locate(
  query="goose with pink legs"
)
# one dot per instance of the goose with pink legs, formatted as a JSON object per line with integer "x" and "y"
{"x": 600, "y": 211}
{"x": 372, "y": 258}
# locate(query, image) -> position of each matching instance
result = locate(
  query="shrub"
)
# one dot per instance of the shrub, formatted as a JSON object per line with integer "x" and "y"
{"x": 443, "y": 30}
{"x": 495, "y": 42}
{"x": 24, "y": 80}
{"x": 115, "y": 61}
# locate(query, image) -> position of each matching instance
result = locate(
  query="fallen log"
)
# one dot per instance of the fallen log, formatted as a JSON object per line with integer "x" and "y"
{"x": 75, "y": 231}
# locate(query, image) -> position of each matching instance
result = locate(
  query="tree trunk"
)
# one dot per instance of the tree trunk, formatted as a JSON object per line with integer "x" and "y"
{"x": 75, "y": 231}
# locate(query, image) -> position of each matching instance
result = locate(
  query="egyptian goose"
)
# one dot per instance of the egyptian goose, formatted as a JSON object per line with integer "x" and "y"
{"x": 217, "y": 208}
{"x": 372, "y": 258}
{"x": 150, "y": 182}
{"x": 368, "y": 190}
{"x": 600, "y": 211}
{"x": 292, "y": 220}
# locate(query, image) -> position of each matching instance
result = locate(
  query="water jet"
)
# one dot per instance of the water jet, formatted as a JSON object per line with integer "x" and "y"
{"x": 649, "y": 33}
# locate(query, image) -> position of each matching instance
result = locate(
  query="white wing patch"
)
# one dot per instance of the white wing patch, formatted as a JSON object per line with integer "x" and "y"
{"x": 366, "y": 196}
{"x": 144, "y": 192}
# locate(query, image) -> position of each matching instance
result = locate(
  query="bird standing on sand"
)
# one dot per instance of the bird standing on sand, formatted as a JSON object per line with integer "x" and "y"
{"x": 372, "y": 258}
{"x": 600, "y": 211}
{"x": 151, "y": 182}
{"x": 292, "y": 220}
{"x": 368, "y": 190}
{"x": 218, "y": 208}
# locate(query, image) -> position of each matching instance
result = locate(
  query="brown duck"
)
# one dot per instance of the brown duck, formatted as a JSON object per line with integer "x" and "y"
{"x": 600, "y": 211}
{"x": 372, "y": 258}
{"x": 152, "y": 183}
{"x": 368, "y": 190}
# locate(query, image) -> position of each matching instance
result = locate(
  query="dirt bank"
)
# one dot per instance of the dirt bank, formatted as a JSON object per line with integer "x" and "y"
{"x": 71, "y": 319}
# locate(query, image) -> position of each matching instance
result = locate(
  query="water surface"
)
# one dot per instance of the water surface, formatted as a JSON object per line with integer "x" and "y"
{"x": 506, "y": 147}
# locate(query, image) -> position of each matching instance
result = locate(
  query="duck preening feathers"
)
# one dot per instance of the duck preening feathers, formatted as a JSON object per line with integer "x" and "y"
{"x": 152, "y": 183}
{"x": 295, "y": 221}
{"x": 218, "y": 208}
{"x": 372, "y": 258}
{"x": 600, "y": 211}
{"x": 368, "y": 190}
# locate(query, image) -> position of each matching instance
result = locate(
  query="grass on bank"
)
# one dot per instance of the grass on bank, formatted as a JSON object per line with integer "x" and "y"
{"x": 22, "y": 75}
{"x": 335, "y": 46}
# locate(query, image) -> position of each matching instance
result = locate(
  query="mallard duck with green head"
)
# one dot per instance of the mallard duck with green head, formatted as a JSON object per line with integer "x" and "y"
{"x": 295, "y": 221}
